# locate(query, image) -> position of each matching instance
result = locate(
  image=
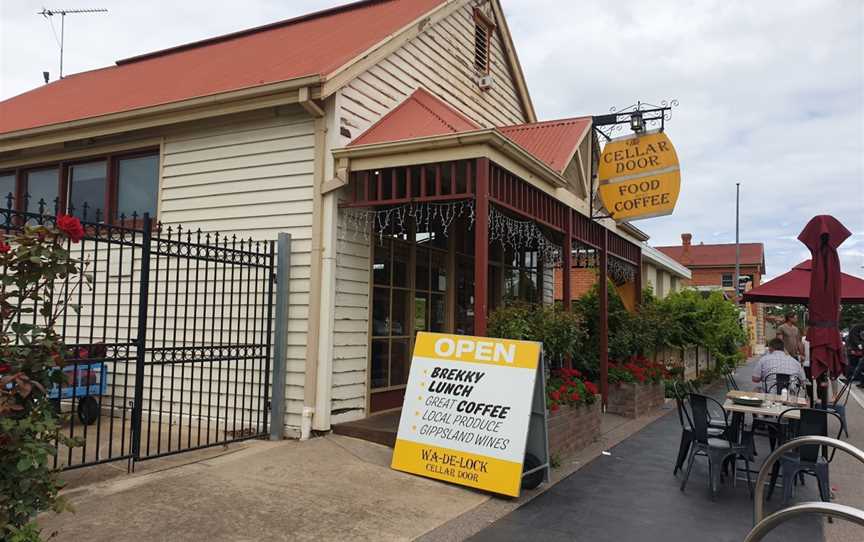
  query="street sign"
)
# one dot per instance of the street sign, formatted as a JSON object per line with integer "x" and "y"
{"x": 467, "y": 411}
{"x": 639, "y": 176}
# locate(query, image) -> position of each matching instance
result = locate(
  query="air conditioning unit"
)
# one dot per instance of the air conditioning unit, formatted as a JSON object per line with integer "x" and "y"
{"x": 485, "y": 81}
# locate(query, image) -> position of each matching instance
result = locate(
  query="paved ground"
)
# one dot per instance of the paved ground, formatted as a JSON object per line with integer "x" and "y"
{"x": 632, "y": 495}
{"x": 333, "y": 488}
{"x": 339, "y": 488}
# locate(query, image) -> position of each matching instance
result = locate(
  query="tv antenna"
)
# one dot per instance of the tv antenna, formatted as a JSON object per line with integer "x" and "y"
{"x": 62, "y": 13}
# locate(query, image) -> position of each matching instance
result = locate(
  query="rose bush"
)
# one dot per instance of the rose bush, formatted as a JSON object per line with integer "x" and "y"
{"x": 32, "y": 261}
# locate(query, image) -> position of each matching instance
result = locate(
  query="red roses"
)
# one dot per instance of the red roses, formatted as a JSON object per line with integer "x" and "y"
{"x": 71, "y": 227}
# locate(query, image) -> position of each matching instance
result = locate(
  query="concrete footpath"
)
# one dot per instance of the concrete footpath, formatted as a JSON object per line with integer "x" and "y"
{"x": 328, "y": 488}
{"x": 331, "y": 488}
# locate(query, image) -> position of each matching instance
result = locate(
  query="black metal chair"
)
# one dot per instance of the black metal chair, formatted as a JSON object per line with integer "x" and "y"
{"x": 810, "y": 459}
{"x": 839, "y": 404}
{"x": 731, "y": 383}
{"x": 679, "y": 392}
{"x": 781, "y": 381}
{"x": 718, "y": 450}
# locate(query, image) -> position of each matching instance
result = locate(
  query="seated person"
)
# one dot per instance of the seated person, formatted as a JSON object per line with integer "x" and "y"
{"x": 775, "y": 362}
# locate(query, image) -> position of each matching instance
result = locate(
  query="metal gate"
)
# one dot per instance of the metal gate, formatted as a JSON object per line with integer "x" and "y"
{"x": 169, "y": 339}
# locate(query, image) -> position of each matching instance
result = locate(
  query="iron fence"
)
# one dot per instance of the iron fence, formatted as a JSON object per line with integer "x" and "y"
{"x": 168, "y": 336}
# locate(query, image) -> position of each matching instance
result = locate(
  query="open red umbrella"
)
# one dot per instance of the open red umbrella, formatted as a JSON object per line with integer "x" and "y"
{"x": 793, "y": 287}
{"x": 822, "y": 235}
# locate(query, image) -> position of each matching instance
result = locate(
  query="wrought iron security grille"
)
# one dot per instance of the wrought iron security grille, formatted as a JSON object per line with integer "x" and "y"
{"x": 169, "y": 346}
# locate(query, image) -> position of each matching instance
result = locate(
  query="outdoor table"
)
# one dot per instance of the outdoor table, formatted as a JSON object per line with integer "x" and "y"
{"x": 773, "y": 405}
{"x": 790, "y": 402}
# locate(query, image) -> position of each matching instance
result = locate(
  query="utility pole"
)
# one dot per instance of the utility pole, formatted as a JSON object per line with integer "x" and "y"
{"x": 737, "y": 283}
{"x": 62, "y": 12}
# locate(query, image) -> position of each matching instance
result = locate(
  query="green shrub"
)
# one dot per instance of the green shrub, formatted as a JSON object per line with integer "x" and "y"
{"x": 562, "y": 333}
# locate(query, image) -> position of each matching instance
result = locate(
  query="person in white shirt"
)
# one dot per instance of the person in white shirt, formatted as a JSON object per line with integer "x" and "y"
{"x": 775, "y": 362}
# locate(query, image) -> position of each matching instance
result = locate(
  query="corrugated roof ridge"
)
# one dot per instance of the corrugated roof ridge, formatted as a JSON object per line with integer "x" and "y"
{"x": 248, "y": 31}
{"x": 413, "y": 97}
{"x": 542, "y": 124}
{"x": 424, "y": 92}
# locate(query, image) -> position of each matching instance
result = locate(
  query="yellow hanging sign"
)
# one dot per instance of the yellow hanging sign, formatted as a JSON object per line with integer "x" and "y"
{"x": 639, "y": 177}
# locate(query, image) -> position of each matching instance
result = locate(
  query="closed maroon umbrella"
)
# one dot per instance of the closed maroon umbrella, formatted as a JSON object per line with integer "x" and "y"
{"x": 822, "y": 235}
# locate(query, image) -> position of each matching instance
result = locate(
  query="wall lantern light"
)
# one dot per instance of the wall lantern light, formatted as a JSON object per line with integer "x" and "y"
{"x": 637, "y": 123}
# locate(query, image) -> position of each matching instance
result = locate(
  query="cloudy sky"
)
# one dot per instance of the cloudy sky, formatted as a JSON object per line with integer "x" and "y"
{"x": 771, "y": 93}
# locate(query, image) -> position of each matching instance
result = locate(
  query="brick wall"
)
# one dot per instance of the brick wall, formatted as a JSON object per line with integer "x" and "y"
{"x": 572, "y": 428}
{"x": 634, "y": 400}
{"x": 713, "y": 276}
{"x": 581, "y": 280}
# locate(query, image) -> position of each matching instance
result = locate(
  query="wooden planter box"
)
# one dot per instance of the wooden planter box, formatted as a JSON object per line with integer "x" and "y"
{"x": 572, "y": 428}
{"x": 633, "y": 400}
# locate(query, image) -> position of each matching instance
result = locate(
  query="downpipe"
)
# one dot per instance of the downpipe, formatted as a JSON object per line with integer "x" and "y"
{"x": 306, "y": 423}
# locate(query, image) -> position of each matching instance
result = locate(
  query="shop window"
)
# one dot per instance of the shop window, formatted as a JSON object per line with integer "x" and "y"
{"x": 115, "y": 185}
{"x": 464, "y": 317}
{"x": 392, "y": 312}
{"x": 41, "y": 186}
{"x": 137, "y": 185}
{"x": 409, "y": 273}
{"x": 88, "y": 185}
{"x": 7, "y": 190}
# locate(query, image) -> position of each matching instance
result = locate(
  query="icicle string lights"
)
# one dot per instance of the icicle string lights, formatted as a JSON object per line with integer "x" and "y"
{"x": 519, "y": 235}
{"x": 397, "y": 220}
{"x": 516, "y": 234}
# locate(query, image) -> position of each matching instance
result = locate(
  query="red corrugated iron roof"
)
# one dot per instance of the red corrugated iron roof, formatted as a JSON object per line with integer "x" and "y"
{"x": 314, "y": 44}
{"x": 554, "y": 142}
{"x": 419, "y": 115}
{"x": 715, "y": 255}
{"x": 423, "y": 115}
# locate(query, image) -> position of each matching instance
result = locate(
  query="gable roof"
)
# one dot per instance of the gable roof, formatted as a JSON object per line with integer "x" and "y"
{"x": 423, "y": 114}
{"x": 554, "y": 142}
{"x": 716, "y": 255}
{"x": 313, "y": 44}
{"x": 419, "y": 115}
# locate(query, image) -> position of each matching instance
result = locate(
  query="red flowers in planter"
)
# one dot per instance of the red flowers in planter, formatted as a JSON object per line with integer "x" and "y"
{"x": 637, "y": 369}
{"x": 71, "y": 227}
{"x": 566, "y": 387}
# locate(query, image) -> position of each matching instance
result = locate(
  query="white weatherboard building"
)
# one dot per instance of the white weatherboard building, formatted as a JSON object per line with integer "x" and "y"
{"x": 395, "y": 141}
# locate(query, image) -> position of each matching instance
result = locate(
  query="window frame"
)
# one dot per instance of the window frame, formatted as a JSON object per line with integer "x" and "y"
{"x": 482, "y": 21}
{"x": 723, "y": 280}
{"x": 112, "y": 180}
